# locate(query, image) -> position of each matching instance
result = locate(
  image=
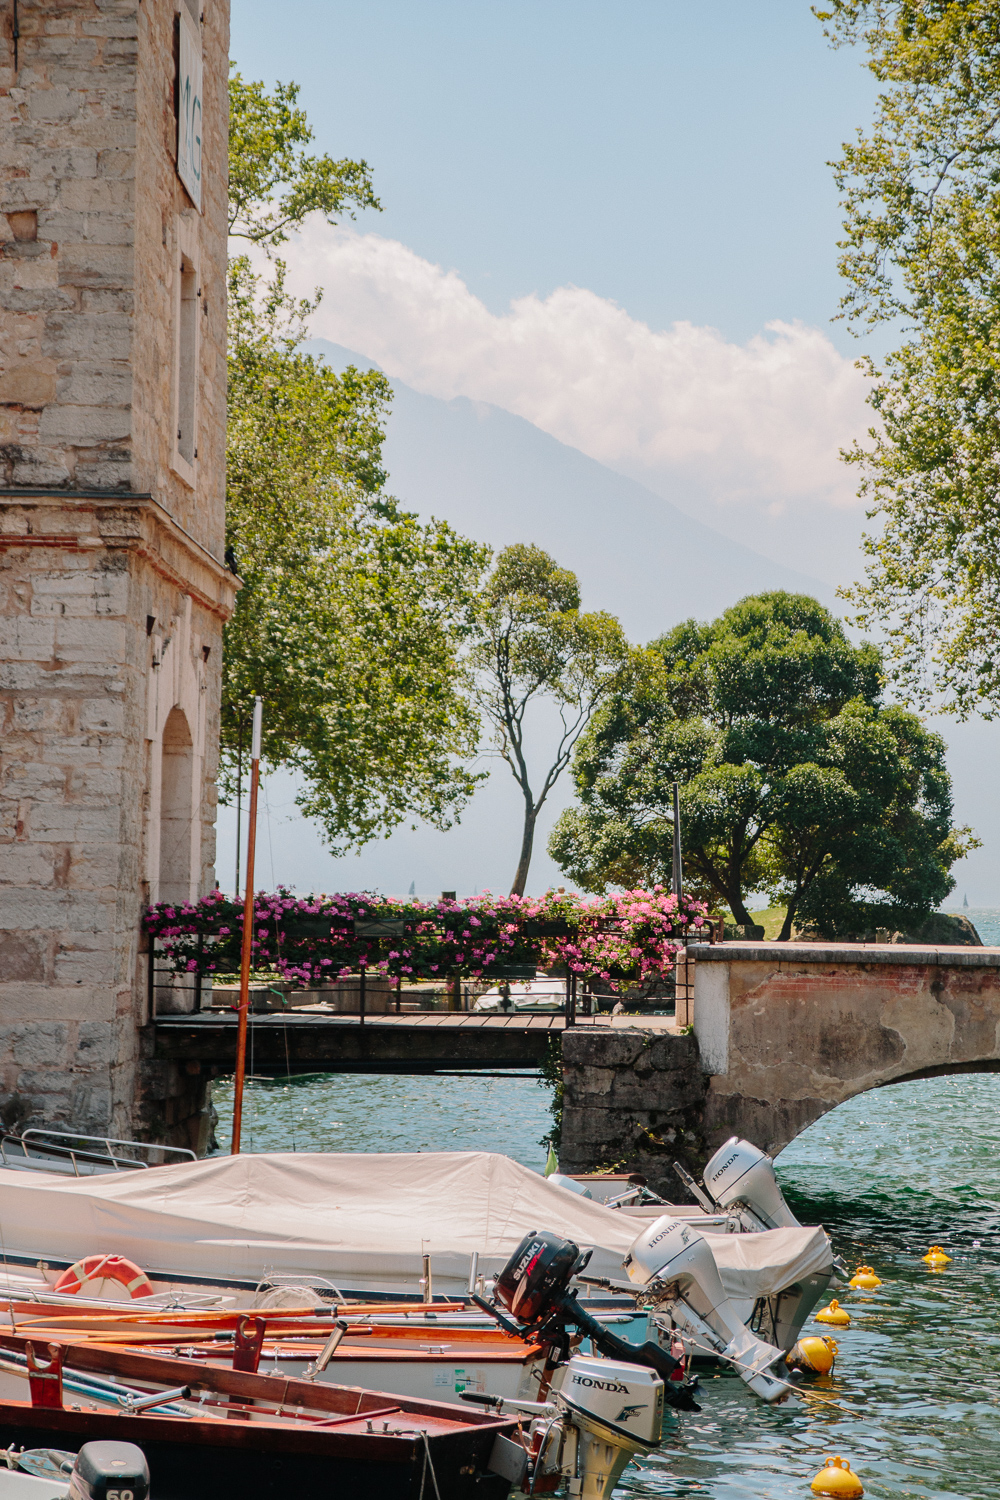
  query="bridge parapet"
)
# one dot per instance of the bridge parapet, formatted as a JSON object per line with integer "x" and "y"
{"x": 787, "y": 1032}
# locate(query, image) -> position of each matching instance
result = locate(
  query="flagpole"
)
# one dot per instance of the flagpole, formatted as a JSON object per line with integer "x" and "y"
{"x": 244, "y": 1006}
{"x": 678, "y": 865}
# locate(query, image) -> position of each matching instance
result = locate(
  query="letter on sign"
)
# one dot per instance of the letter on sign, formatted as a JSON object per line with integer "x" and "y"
{"x": 189, "y": 108}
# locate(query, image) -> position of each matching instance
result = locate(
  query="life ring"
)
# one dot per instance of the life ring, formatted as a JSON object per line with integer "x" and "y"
{"x": 101, "y": 1267}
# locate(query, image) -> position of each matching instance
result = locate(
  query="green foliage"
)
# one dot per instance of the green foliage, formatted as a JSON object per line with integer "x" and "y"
{"x": 534, "y": 643}
{"x": 353, "y": 614}
{"x": 273, "y": 183}
{"x": 922, "y": 201}
{"x": 794, "y": 780}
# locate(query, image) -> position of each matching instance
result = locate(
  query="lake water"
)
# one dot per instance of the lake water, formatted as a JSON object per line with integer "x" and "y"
{"x": 914, "y": 1402}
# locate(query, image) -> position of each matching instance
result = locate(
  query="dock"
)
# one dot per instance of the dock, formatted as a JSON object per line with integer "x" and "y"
{"x": 427, "y": 1042}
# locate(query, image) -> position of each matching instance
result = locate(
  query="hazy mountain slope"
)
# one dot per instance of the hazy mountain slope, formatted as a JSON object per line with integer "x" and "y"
{"x": 499, "y": 479}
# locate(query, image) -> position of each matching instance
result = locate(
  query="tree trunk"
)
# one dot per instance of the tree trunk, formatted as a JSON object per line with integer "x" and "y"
{"x": 785, "y": 934}
{"x": 739, "y": 911}
{"x": 527, "y": 840}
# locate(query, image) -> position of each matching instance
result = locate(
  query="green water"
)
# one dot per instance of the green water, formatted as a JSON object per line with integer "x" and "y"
{"x": 914, "y": 1402}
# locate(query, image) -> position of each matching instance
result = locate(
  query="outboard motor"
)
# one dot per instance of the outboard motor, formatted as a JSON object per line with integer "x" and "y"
{"x": 603, "y": 1411}
{"x": 673, "y": 1261}
{"x": 108, "y": 1471}
{"x": 740, "y": 1179}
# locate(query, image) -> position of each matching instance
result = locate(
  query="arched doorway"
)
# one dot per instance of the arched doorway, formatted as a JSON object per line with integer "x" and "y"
{"x": 176, "y": 808}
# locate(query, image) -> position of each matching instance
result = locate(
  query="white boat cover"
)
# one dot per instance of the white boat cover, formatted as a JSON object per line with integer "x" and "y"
{"x": 359, "y": 1220}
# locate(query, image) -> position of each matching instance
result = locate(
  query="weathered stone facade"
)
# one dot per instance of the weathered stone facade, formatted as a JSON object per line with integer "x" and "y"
{"x": 788, "y": 1032}
{"x": 113, "y": 591}
{"x": 633, "y": 1101}
{"x": 782, "y": 1034}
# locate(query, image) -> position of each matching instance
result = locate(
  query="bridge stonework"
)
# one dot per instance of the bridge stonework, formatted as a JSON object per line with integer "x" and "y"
{"x": 113, "y": 592}
{"x": 782, "y": 1033}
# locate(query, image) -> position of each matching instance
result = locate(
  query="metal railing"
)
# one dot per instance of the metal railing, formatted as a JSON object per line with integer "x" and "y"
{"x": 363, "y": 997}
{"x": 41, "y": 1146}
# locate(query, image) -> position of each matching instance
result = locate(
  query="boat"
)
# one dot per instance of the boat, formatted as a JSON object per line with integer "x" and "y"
{"x": 213, "y": 1434}
{"x": 353, "y": 1226}
{"x": 419, "y": 1360}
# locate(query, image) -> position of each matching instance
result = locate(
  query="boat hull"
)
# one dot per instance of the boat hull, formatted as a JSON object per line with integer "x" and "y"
{"x": 215, "y": 1461}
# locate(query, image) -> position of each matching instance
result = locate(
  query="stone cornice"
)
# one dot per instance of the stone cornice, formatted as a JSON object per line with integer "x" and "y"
{"x": 844, "y": 955}
{"x": 88, "y": 520}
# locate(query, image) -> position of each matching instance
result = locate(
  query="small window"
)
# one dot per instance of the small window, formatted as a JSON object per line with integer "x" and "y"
{"x": 187, "y": 363}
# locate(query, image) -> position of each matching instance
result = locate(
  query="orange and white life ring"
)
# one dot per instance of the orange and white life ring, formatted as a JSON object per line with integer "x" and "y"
{"x": 96, "y": 1268}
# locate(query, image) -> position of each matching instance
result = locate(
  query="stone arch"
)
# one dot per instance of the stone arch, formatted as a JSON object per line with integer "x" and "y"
{"x": 823, "y": 1107}
{"x": 176, "y": 808}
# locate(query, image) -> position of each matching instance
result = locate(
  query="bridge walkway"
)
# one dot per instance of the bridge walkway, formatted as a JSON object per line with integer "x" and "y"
{"x": 415, "y": 1042}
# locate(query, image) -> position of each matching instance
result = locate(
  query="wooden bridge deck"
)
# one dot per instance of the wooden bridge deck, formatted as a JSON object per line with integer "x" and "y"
{"x": 415, "y": 1042}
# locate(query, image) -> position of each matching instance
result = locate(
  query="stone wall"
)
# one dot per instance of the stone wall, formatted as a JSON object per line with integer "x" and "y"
{"x": 633, "y": 1101}
{"x": 787, "y": 1032}
{"x": 113, "y": 592}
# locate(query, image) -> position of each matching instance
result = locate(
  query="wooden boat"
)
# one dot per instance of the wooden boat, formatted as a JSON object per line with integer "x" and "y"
{"x": 419, "y": 1360}
{"x": 215, "y": 1434}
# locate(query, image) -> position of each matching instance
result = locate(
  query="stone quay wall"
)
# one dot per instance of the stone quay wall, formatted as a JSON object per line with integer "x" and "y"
{"x": 789, "y": 1031}
{"x": 633, "y": 1101}
{"x": 113, "y": 592}
{"x": 782, "y": 1034}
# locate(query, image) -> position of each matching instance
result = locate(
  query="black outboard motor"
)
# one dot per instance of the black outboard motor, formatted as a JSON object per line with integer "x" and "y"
{"x": 534, "y": 1288}
{"x": 109, "y": 1471}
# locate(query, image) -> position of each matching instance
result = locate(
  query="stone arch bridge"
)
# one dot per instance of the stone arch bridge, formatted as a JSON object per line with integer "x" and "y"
{"x": 781, "y": 1034}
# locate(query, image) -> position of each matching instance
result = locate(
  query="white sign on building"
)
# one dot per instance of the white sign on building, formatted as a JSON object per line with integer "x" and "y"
{"x": 189, "y": 108}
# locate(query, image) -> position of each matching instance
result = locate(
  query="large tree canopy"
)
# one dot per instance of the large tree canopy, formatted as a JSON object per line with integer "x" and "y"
{"x": 353, "y": 614}
{"x": 795, "y": 782}
{"x": 922, "y": 249}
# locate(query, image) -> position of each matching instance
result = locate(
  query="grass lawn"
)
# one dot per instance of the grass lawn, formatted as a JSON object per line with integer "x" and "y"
{"x": 770, "y": 920}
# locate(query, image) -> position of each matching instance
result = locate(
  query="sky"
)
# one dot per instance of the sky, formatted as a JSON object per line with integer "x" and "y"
{"x": 616, "y": 222}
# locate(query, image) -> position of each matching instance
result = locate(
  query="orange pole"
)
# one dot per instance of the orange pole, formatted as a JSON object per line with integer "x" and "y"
{"x": 245, "y": 956}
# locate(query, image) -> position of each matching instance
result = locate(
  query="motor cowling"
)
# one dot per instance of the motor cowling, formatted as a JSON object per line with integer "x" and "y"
{"x": 537, "y": 1275}
{"x": 624, "y": 1398}
{"x": 109, "y": 1471}
{"x": 673, "y": 1253}
{"x": 740, "y": 1173}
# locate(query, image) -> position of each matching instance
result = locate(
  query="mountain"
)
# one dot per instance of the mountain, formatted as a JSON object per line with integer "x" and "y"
{"x": 499, "y": 479}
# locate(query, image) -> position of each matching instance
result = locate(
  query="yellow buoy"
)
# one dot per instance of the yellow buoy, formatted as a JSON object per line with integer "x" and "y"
{"x": 834, "y": 1314}
{"x": 817, "y": 1354}
{"x": 838, "y": 1478}
{"x": 865, "y": 1277}
{"x": 936, "y": 1256}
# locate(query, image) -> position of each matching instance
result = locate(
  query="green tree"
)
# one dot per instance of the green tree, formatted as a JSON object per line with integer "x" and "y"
{"x": 534, "y": 644}
{"x": 922, "y": 251}
{"x": 353, "y": 615}
{"x": 273, "y": 183}
{"x": 794, "y": 780}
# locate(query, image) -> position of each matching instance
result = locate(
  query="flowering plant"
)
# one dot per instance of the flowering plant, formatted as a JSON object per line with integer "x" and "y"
{"x": 627, "y": 938}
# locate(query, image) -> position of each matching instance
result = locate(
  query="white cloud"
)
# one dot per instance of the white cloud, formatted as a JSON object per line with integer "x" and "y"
{"x": 758, "y": 423}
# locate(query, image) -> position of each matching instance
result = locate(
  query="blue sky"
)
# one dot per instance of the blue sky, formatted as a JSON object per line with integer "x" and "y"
{"x": 669, "y": 157}
{"x": 615, "y": 221}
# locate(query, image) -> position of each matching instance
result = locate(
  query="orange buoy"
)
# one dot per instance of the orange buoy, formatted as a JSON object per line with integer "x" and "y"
{"x": 865, "y": 1278}
{"x": 834, "y": 1314}
{"x": 105, "y": 1268}
{"x": 838, "y": 1479}
{"x": 936, "y": 1257}
{"x": 815, "y": 1354}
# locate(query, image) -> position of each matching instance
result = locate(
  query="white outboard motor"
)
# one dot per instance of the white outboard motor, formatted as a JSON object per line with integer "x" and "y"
{"x": 740, "y": 1178}
{"x": 603, "y": 1414}
{"x": 673, "y": 1260}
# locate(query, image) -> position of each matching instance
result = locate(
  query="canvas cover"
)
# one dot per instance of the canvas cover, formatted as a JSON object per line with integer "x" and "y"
{"x": 359, "y": 1220}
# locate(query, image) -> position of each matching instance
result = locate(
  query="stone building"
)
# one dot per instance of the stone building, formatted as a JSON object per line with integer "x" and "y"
{"x": 113, "y": 589}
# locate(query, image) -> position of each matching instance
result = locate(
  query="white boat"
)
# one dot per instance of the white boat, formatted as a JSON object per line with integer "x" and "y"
{"x": 524, "y": 995}
{"x": 353, "y": 1223}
